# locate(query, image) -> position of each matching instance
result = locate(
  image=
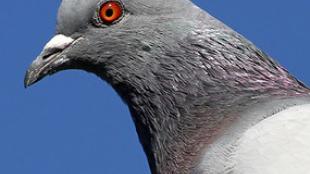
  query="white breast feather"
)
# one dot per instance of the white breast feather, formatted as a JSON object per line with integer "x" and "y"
{"x": 279, "y": 144}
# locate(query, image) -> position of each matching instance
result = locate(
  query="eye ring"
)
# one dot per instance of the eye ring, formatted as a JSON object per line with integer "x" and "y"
{"x": 109, "y": 12}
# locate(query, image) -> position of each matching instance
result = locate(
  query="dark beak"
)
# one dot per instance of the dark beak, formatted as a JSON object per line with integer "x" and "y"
{"x": 49, "y": 61}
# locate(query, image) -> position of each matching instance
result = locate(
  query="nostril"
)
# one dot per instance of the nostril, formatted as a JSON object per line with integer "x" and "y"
{"x": 46, "y": 56}
{"x": 50, "y": 52}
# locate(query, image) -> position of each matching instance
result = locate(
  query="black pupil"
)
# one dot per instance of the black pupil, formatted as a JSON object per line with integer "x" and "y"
{"x": 109, "y": 12}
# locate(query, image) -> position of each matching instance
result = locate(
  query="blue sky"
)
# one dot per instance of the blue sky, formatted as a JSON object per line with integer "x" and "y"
{"x": 75, "y": 123}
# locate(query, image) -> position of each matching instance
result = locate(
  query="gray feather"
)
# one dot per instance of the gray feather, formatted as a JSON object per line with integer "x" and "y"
{"x": 185, "y": 76}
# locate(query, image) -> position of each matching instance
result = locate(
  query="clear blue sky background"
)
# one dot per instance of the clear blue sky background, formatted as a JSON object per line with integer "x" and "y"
{"x": 73, "y": 123}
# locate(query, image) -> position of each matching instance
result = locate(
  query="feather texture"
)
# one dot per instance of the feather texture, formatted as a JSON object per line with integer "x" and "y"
{"x": 279, "y": 144}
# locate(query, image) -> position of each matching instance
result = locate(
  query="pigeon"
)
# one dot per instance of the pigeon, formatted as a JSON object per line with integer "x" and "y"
{"x": 203, "y": 98}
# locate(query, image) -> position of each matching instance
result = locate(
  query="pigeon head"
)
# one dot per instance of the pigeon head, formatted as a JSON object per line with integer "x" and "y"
{"x": 110, "y": 38}
{"x": 184, "y": 75}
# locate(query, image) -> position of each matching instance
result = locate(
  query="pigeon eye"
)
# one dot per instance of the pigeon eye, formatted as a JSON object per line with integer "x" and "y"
{"x": 110, "y": 12}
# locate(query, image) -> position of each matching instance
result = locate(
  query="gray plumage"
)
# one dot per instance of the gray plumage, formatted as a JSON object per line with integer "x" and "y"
{"x": 185, "y": 76}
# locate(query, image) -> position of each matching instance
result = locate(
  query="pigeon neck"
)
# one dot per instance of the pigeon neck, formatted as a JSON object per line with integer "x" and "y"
{"x": 175, "y": 126}
{"x": 185, "y": 98}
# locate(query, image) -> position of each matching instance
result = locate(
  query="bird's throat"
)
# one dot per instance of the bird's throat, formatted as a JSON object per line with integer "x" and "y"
{"x": 176, "y": 124}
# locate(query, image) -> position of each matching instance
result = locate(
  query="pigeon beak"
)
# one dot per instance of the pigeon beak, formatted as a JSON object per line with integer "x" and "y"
{"x": 49, "y": 61}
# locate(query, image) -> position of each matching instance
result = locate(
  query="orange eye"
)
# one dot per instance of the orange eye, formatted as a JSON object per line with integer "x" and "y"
{"x": 110, "y": 11}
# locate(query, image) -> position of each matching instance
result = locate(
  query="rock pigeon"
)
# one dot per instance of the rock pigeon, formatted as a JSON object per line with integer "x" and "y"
{"x": 204, "y": 99}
